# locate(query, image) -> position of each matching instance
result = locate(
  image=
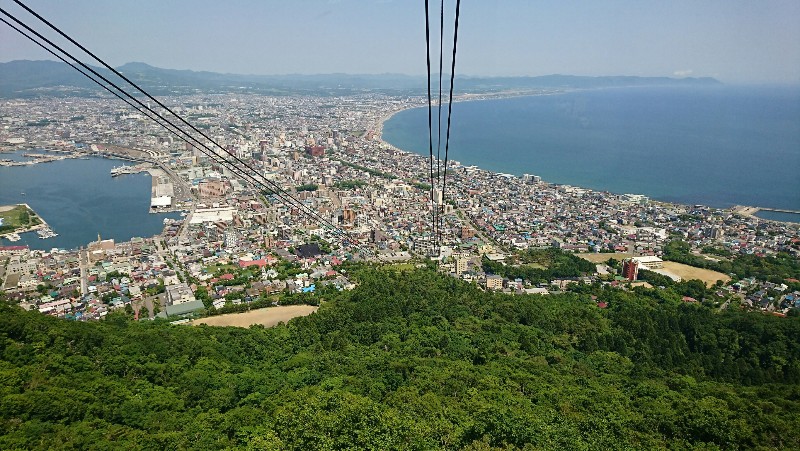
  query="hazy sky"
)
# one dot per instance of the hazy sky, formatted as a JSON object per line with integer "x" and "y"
{"x": 735, "y": 41}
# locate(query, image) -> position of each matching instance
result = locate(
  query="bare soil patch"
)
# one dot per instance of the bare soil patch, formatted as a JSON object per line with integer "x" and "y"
{"x": 686, "y": 272}
{"x": 267, "y": 317}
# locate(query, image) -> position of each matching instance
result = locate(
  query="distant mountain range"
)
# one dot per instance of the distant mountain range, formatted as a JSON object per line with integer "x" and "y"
{"x": 24, "y": 79}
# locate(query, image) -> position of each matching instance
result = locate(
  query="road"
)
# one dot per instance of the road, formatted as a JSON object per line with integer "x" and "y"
{"x": 84, "y": 263}
{"x": 478, "y": 230}
{"x": 181, "y": 188}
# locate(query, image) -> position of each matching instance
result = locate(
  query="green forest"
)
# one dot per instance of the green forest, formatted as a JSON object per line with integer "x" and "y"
{"x": 411, "y": 360}
{"x": 541, "y": 266}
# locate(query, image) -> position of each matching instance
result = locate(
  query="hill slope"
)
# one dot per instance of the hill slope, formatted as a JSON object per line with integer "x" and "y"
{"x": 410, "y": 361}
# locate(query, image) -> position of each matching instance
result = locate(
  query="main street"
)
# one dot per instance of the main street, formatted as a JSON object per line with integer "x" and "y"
{"x": 84, "y": 264}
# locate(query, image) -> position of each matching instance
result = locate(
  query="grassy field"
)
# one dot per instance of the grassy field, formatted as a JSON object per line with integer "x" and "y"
{"x": 399, "y": 267}
{"x": 17, "y": 217}
{"x": 221, "y": 269}
{"x": 268, "y": 317}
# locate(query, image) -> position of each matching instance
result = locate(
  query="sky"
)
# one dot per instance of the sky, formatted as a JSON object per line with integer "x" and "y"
{"x": 735, "y": 41}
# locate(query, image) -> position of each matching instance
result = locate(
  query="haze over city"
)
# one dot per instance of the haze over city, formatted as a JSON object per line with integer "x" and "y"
{"x": 733, "y": 41}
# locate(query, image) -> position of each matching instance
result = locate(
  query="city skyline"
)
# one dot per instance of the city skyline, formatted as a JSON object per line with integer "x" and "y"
{"x": 735, "y": 42}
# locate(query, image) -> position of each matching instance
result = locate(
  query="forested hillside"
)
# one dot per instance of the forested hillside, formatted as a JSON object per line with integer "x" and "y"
{"x": 411, "y": 360}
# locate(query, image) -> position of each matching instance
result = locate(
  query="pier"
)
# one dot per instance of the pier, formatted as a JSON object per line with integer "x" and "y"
{"x": 779, "y": 210}
{"x": 751, "y": 211}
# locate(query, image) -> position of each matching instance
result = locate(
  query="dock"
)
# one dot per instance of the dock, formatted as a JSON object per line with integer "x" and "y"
{"x": 14, "y": 234}
{"x": 120, "y": 170}
{"x": 780, "y": 210}
{"x": 751, "y": 211}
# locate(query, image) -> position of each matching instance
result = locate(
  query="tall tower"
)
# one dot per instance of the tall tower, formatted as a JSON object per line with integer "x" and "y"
{"x": 630, "y": 269}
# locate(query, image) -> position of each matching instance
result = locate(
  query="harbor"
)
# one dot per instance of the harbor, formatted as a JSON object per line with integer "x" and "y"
{"x": 36, "y": 158}
{"x": 45, "y": 233}
{"x": 22, "y": 219}
{"x": 78, "y": 198}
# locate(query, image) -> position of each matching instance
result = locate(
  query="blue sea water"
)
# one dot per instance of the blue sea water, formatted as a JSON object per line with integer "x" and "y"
{"x": 716, "y": 146}
{"x": 79, "y": 199}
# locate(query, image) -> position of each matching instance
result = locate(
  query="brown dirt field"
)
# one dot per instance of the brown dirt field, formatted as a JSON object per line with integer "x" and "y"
{"x": 268, "y": 317}
{"x": 641, "y": 283}
{"x": 686, "y": 272}
{"x": 600, "y": 258}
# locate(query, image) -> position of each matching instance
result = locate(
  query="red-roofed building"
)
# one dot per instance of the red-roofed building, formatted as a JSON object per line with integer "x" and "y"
{"x": 13, "y": 250}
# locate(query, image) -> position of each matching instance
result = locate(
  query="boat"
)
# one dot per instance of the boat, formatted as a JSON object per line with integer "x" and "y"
{"x": 13, "y": 237}
{"x": 46, "y": 232}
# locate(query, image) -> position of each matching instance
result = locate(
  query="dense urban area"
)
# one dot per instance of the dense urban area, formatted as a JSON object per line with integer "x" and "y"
{"x": 545, "y": 317}
{"x": 238, "y": 244}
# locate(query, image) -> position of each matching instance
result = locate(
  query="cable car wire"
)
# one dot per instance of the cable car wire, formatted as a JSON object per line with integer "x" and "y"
{"x": 275, "y": 189}
{"x": 450, "y": 105}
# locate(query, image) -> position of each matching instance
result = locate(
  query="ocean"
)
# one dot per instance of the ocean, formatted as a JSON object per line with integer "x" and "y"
{"x": 79, "y": 199}
{"x": 715, "y": 146}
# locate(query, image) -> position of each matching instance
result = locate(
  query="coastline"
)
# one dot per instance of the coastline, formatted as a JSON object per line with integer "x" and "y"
{"x": 378, "y": 128}
{"x": 742, "y": 210}
{"x": 42, "y": 224}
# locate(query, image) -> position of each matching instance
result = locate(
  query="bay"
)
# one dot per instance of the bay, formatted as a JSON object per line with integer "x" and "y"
{"x": 720, "y": 146}
{"x": 79, "y": 200}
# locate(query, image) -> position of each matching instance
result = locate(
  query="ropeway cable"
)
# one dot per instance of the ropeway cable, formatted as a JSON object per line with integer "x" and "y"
{"x": 430, "y": 130}
{"x": 277, "y": 190}
{"x": 449, "y": 105}
{"x": 439, "y": 128}
{"x": 228, "y": 164}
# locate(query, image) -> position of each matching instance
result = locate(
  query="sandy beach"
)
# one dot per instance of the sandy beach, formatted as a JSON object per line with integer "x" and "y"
{"x": 378, "y": 127}
{"x": 267, "y": 317}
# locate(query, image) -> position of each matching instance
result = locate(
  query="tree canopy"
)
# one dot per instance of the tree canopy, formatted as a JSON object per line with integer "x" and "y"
{"x": 410, "y": 360}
